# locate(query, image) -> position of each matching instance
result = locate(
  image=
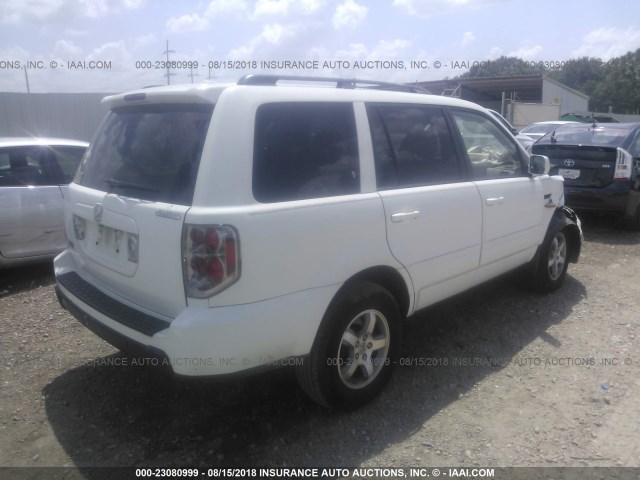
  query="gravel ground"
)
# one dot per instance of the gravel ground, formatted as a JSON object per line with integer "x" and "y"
{"x": 497, "y": 376}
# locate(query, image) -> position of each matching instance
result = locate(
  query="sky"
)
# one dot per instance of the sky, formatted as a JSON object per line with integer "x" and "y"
{"x": 118, "y": 45}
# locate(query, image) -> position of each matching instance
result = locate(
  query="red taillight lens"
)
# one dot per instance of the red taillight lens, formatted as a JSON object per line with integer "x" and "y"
{"x": 212, "y": 239}
{"x": 197, "y": 235}
{"x": 210, "y": 258}
{"x": 215, "y": 271}
{"x": 230, "y": 247}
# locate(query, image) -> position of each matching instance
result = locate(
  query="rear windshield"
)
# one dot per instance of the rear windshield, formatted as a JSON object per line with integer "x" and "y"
{"x": 539, "y": 128}
{"x": 150, "y": 152}
{"x": 587, "y": 135}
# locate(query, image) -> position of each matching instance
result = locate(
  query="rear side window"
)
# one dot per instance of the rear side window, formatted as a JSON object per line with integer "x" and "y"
{"x": 28, "y": 166}
{"x": 304, "y": 150}
{"x": 412, "y": 146}
{"x": 150, "y": 152}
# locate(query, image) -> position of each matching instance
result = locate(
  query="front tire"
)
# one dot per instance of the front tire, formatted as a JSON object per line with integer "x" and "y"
{"x": 553, "y": 260}
{"x": 355, "y": 349}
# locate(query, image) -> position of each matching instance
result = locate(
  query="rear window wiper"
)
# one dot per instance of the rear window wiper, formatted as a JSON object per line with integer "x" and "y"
{"x": 136, "y": 186}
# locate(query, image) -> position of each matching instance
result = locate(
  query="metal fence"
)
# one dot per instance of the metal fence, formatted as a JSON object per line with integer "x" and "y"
{"x": 64, "y": 115}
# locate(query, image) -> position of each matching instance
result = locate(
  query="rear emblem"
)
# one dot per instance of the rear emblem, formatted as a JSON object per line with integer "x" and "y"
{"x": 98, "y": 210}
{"x": 569, "y": 163}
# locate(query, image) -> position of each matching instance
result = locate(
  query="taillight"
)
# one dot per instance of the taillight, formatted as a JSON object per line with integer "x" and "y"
{"x": 624, "y": 160}
{"x": 79, "y": 227}
{"x": 210, "y": 259}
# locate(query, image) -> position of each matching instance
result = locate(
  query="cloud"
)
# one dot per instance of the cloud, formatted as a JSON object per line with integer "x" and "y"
{"x": 15, "y": 53}
{"x": 115, "y": 52}
{"x": 495, "y": 52}
{"x": 226, "y": 7}
{"x": 270, "y": 8}
{"x": 467, "y": 39}
{"x": 429, "y": 8}
{"x": 271, "y": 35}
{"x": 75, "y": 33}
{"x": 527, "y": 51}
{"x": 17, "y": 12}
{"x": 66, "y": 49}
{"x": 608, "y": 42}
{"x": 383, "y": 50}
{"x": 187, "y": 23}
{"x": 142, "y": 41}
{"x": 310, "y": 6}
{"x": 349, "y": 14}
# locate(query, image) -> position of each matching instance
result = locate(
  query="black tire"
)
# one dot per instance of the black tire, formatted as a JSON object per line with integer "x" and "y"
{"x": 552, "y": 260}
{"x": 632, "y": 223}
{"x": 355, "y": 348}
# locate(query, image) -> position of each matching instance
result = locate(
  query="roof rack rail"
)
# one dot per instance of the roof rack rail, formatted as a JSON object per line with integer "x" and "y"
{"x": 351, "y": 83}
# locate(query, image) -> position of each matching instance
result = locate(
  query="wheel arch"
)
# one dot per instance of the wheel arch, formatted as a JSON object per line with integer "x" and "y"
{"x": 388, "y": 278}
{"x": 565, "y": 217}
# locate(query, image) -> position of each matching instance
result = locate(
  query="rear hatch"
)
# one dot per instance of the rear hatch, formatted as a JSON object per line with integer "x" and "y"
{"x": 581, "y": 165}
{"x": 129, "y": 199}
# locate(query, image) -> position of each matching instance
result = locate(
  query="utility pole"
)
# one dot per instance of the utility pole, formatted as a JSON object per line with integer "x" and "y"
{"x": 26, "y": 77}
{"x": 193, "y": 74}
{"x": 168, "y": 74}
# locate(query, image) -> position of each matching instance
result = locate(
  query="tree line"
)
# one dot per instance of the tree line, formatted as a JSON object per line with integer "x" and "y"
{"x": 611, "y": 84}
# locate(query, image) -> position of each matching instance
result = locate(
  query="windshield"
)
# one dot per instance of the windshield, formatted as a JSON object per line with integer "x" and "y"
{"x": 151, "y": 152}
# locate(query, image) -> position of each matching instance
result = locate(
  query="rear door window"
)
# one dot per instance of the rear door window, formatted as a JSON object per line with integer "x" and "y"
{"x": 26, "y": 166}
{"x": 305, "y": 150}
{"x": 151, "y": 152}
{"x": 413, "y": 146}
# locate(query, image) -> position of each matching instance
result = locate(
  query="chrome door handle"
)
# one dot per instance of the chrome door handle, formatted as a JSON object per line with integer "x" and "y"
{"x": 399, "y": 217}
{"x": 494, "y": 200}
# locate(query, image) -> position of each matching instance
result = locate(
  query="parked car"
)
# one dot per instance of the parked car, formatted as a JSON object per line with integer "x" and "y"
{"x": 538, "y": 130}
{"x": 600, "y": 164}
{"x": 524, "y": 140}
{"x": 34, "y": 173}
{"x": 278, "y": 221}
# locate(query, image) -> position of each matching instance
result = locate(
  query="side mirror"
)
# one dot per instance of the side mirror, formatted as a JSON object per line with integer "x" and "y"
{"x": 539, "y": 165}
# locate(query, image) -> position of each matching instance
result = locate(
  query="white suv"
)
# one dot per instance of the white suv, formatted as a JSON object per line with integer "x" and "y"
{"x": 288, "y": 220}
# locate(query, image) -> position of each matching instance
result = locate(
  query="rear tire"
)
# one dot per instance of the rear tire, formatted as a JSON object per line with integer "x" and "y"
{"x": 633, "y": 223}
{"x": 355, "y": 348}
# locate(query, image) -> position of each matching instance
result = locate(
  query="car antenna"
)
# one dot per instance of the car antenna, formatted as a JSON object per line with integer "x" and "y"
{"x": 593, "y": 121}
{"x": 553, "y": 137}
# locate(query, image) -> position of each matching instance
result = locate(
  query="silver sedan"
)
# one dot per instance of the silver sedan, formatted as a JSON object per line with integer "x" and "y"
{"x": 34, "y": 174}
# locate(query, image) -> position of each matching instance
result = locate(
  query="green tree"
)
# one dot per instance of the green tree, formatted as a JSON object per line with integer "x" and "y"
{"x": 582, "y": 74}
{"x": 620, "y": 88}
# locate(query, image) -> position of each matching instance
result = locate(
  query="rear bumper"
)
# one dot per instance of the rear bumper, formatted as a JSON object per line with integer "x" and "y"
{"x": 614, "y": 198}
{"x": 200, "y": 341}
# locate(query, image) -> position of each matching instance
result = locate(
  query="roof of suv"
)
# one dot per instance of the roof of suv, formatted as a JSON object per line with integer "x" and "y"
{"x": 31, "y": 141}
{"x": 329, "y": 88}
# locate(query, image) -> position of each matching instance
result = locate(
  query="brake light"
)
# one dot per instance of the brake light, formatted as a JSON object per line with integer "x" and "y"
{"x": 79, "y": 227}
{"x": 210, "y": 259}
{"x": 624, "y": 161}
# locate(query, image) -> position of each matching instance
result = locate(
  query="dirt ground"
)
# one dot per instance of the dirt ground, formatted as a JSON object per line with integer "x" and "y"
{"x": 497, "y": 376}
